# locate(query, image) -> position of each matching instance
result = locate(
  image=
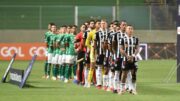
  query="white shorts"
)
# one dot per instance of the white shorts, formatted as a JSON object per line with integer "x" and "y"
{"x": 55, "y": 59}
{"x": 60, "y": 60}
{"x": 49, "y": 57}
{"x": 63, "y": 59}
{"x": 70, "y": 59}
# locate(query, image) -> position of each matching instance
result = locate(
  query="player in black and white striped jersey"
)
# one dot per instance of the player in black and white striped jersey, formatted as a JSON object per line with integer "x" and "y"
{"x": 129, "y": 49}
{"x": 120, "y": 34}
{"x": 101, "y": 35}
{"x": 112, "y": 57}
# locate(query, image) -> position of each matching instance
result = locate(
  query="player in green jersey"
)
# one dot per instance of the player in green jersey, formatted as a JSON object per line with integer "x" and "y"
{"x": 46, "y": 40}
{"x": 50, "y": 48}
{"x": 60, "y": 44}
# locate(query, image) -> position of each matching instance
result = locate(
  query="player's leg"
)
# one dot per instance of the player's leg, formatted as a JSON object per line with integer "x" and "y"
{"x": 125, "y": 70}
{"x": 86, "y": 69}
{"x": 99, "y": 62}
{"x": 133, "y": 72}
{"x": 54, "y": 62}
{"x": 45, "y": 66}
{"x": 111, "y": 76}
{"x": 106, "y": 71}
{"x": 92, "y": 68}
{"x": 49, "y": 65}
{"x": 62, "y": 67}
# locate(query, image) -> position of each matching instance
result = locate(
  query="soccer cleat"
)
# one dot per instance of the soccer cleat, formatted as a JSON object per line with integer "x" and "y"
{"x": 109, "y": 89}
{"x": 115, "y": 91}
{"x": 58, "y": 77}
{"x": 88, "y": 85}
{"x": 85, "y": 85}
{"x": 66, "y": 81}
{"x": 75, "y": 81}
{"x": 99, "y": 87}
{"x": 134, "y": 92}
{"x": 121, "y": 92}
{"x": 105, "y": 88}
{"x": 47, "y": 77}
{"x": 53, "y": 78}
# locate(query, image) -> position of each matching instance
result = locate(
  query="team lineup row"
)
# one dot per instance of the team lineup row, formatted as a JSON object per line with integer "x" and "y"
{"x": 102, "y": 55}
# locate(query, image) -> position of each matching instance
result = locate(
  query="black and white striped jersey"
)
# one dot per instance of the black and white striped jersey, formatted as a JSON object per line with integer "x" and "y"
{"x": 118, "y": 40}
{"x": 130, "y": 44}
{"x": 101, "y": 37}
{"x": 85, "y": 34}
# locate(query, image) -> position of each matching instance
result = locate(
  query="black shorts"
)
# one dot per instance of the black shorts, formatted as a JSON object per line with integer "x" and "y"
{"x": 80, "y": 55}
{"x": 87, "y": 58}
{"x": 100, "y": 59}
{"x": 118, "y": 64}
{"x": 129, "y": 65}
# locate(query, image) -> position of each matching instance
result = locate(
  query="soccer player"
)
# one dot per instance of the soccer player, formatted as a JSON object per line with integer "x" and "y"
{"x": 60, "y": 46}
{"x": 62, "y": 52}
{"x": 67, "y": 57}
{"x": 100, "y": 51}
{"x": 90, "y": 45}
{"x": 120, "y": 33}
{"x": 46, "y": 39}
{"x": 73, "y": 53}
{"x": 112, "y": 56}
{"x": 87, "y": 52}
{"x": 51, "y": 48}
{"x": 129, "y": 49}
{"x": 55, "y": 55}
{"x": 80, "y": 54}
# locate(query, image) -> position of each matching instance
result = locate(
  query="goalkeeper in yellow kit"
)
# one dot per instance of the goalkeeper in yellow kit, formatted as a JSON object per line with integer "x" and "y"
{"x": 90, "y": 47}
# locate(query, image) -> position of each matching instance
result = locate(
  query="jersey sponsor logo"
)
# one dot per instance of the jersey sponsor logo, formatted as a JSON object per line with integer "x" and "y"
{"x": 24, "y": 51}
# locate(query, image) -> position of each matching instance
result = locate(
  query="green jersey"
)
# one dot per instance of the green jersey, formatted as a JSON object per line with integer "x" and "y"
{"x": 69, "y": 39}
{"x": 60, "y": 42}
{"x": 51, "y": 43}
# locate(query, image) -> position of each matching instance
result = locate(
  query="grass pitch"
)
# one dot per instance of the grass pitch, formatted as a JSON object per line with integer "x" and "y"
{"x": 150, "y": 86}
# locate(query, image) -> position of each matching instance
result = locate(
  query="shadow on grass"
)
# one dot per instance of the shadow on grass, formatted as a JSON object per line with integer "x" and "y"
{"x": 41, "y": 87}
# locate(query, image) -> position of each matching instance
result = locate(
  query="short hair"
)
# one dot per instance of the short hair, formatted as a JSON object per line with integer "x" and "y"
{"x": 91, "y": 21}
{"x": 85, "y": 26}
{"x": 130, "y": 25}
{"x": 97, "y": 21}
{"x": 122, "y": 21}
{"x": 74, "y": 26}
{"x": 51, "y": 23}
{"x": 70, "y": 26}
{"x": 63, "y": 26}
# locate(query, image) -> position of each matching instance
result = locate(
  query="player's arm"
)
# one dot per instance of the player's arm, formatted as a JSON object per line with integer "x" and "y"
{"x": 88, "y": 41}
{"x": 96, "y": 38}
{"x": 137, "y": 47}
{"x": 114, "y": 44}
{"x": 109, "y": 44}
{"x": 122, "y": 49}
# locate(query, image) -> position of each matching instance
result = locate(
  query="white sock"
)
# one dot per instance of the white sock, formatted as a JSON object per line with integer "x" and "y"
{"x": 105, "y": 80}
{"x": 99, "y": 76}
{"x": 116, "y": 80}
{"x": 122, "y": 86}
{"x": 129, "y": 81}
{"x": 110, "y": 79}
{"x": 86, "y": 75}
{"x": 134, "y": 86}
